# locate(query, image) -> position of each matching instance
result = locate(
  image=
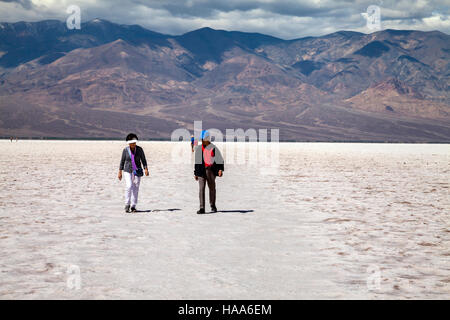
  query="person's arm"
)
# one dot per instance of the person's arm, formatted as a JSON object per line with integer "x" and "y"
{"x": 198, "y": 162}
{"x": 219, "y": 161}
{"x": 144, "y": 162}
{"x": 122, "y": 163}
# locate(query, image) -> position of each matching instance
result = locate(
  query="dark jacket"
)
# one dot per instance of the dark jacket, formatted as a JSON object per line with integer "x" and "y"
{"x": 199, "y": 167}
{"x": 125, "y": 162}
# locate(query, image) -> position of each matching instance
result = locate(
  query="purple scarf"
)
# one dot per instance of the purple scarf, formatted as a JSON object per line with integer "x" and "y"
{"x": 133, "y": 164}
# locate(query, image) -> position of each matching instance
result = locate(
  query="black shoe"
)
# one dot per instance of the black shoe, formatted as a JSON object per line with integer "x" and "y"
{"x": 201, "y": 211}
{"x": 127, "y": 208}
{"x": 133, "y": 209}
{"x": 213, "y": 209}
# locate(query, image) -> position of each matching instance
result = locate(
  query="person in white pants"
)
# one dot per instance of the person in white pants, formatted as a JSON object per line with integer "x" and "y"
{"x": 132, "y": 189}
{"x": 130, "y": 163}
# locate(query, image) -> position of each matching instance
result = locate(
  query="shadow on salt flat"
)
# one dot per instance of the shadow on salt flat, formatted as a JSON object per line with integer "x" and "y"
{"x": 170, "y": 210}
{"x": 235, "y": 211}
{"x": 157, "y": 210}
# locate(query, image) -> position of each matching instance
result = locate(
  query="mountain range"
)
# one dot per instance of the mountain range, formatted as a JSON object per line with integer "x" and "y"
{"x": 107, "y": 79}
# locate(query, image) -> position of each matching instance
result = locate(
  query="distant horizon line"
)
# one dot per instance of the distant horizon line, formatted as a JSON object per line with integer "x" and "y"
{"x": 249, "y": 32}
{"x": 168, "y": 140}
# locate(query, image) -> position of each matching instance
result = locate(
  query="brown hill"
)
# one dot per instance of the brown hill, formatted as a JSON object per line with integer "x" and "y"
{"x": 111, "y": 79}
{"x": 394, "y": 97}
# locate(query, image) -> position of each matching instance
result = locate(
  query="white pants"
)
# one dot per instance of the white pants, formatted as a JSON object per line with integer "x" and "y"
{"x": 132, "y": 188}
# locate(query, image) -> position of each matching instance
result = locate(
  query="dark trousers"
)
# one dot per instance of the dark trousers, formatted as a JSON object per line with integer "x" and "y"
{"x": 211, "y": 181}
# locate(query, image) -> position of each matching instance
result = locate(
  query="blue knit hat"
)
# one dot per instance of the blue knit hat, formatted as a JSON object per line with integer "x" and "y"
{"x": 205, "y": 134}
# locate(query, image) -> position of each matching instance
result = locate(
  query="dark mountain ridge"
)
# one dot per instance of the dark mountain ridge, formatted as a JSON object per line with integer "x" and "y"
{"x": 333, "y": 87}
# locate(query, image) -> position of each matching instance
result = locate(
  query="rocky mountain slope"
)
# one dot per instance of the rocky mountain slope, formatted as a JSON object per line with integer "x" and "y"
{"x": 108, "y": 79}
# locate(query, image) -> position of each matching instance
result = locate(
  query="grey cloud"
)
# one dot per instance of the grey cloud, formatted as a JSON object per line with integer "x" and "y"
{"x": 199, "y": 8}
{"x": 283, "y": 18}
{"x": 26, "y": 4}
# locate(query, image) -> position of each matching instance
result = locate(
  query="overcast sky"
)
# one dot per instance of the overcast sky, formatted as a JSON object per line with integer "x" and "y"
{"x": 286, "y": 19}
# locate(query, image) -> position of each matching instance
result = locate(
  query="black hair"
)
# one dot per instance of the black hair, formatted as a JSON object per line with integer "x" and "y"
{"x": 131, "y": 136}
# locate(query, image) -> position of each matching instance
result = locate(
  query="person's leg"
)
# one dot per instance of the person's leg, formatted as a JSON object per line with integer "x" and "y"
{"x": 128, "y": 187}
{"x": 211, "y": 178}
{"x": 135, "y": 190}
{"x": 202, "y": 185}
